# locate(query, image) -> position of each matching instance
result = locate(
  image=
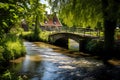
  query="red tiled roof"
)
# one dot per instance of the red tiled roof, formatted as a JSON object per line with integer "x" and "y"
{"x": 52, "y": 21}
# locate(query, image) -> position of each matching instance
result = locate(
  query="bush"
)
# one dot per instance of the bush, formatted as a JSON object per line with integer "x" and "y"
{"x": 95, "y": 47}
{"x": 13, "y": 47}
{"x": 44, "y": 36}
{"x": 10, "y": 76}
{"x": 13, "y": 50}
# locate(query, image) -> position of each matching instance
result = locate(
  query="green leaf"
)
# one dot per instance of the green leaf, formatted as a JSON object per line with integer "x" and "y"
{"x": 15, "y": 16}
{"x": 5, "y": 24}
{"x": 11, "y": 10}
{"x": 4, "y": 5}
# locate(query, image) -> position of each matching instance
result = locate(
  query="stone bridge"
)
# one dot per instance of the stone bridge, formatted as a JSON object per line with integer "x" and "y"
{"x": 61, "y": 39}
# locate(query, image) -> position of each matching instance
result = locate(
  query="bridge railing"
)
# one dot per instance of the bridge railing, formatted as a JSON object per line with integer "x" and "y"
{"x": 78, "y": 30}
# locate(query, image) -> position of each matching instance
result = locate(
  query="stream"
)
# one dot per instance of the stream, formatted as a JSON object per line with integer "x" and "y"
{"x": 47, "y": 62}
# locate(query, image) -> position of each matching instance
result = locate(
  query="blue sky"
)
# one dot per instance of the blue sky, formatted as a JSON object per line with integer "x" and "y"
{"x": 45, "y": 2}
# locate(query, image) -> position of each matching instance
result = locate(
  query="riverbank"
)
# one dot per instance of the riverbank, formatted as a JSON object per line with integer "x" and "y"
{"x": 11, "y": 47}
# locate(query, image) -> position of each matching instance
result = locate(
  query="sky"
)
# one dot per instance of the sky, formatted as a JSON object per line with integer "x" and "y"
{"x": 45, "y": 2}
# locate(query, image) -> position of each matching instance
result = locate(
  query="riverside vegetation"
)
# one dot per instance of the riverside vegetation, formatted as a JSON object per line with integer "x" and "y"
{"x": 11, "y": 47}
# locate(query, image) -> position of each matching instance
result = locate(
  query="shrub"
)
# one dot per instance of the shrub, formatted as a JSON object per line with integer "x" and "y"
{"x": 95, "y": 47}
{"x": 13, "y": 50}
{"x": 13, "y": 47}
{"x": 44, "y": 36}
{"x": 10, "y": 76}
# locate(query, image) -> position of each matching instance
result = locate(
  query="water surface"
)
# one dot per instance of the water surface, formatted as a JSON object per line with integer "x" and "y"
{"x": 47, "y": 62}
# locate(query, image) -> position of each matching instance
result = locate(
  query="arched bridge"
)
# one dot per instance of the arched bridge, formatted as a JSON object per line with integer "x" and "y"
{"x": 61, "y": 39}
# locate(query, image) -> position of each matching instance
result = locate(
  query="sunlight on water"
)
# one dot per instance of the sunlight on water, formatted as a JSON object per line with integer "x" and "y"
{"x": 47, "y": 62}
{"x": 66, "y": 67}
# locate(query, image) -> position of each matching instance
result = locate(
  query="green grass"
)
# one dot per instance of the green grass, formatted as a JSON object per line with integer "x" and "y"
{"x": 43, "y": 36}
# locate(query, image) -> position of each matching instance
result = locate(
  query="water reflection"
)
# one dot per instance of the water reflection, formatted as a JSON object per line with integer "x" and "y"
{"x": 47, "y": 62}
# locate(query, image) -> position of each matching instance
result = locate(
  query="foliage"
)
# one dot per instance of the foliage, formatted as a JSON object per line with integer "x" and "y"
{"x": 9, "y": 15}
{"x": 1, "y": 51}
{"x": 78, "y": 12}
{"x": 10, "y": 76}
{"x": 43, "y": 36}
{"x": 34, "y": 14}
{"x": 13, "y": 11}
{"x": 95, "y": 47}
{"x": 26, "y": 35}
{"x": 12, "y": 47}
{"x": 84, "y": 12}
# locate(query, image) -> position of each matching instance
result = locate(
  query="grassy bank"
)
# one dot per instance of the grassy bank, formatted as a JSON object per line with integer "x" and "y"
{"x": 42, "y": 36}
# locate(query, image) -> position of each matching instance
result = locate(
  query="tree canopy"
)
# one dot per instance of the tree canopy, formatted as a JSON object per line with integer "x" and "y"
{"x": 84, "y": 12}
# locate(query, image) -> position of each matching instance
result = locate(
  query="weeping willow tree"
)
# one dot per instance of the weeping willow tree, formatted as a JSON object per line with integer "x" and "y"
{"x": 78, "y": 12}
{"x": 90, "y": 12}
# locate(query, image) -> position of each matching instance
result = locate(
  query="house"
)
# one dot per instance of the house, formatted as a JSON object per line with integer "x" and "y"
{"x": 51, "y": 23}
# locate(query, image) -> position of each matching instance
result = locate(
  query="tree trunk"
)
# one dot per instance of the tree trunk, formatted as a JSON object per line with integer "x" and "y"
{"x": 109, "y": 31}
{"x": 110, "y": 12}
{"x": 37, "y": 29}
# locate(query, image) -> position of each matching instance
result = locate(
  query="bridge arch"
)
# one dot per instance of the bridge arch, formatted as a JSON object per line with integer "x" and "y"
{"x": 62, "y": 42}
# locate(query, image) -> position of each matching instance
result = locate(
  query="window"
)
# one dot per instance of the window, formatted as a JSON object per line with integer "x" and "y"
{"x": 46, "y": 22}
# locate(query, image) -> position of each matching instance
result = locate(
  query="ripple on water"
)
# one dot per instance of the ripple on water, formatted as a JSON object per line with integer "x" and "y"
{"x": 87, "y": 63}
